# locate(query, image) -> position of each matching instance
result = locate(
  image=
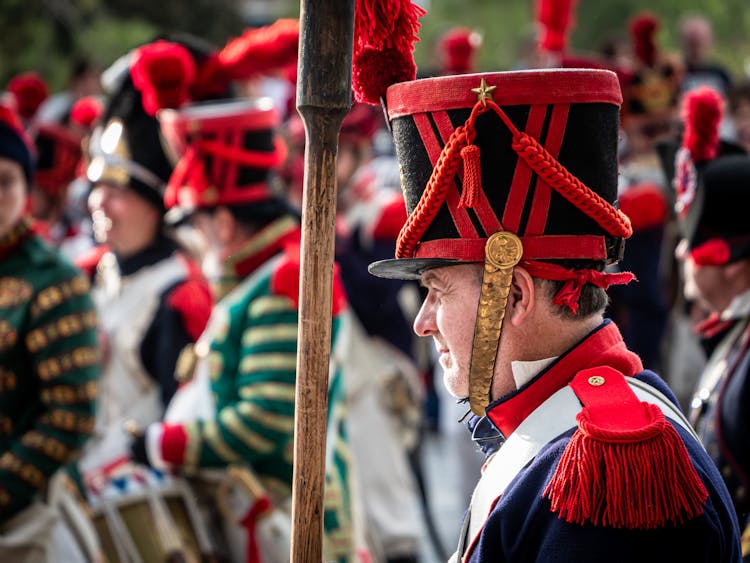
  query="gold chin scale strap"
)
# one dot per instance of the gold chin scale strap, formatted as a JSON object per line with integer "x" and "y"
{"x": 502, "y": 252}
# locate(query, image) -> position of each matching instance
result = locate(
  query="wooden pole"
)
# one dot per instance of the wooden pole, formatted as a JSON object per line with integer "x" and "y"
{"x": 323, "y": 99}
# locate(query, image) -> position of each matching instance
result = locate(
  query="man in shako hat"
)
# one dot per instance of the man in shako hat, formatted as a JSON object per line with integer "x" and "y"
{"x": 244, "y": 364}
{"x": 510, "y": 183}
{"x": 712, "y": 183}
{"x": 49, "y": 362}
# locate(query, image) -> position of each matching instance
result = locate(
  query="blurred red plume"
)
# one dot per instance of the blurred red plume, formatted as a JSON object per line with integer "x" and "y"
{"x": 643, "y": 29}
{"x": 556, "y": 18}
{"x": 261, "y": 49}
{"x": 30, "y": 91}
{"x": 457, "y": 48}
{"x": 163, "y": 72}
{"x": 86, "y": 112}
{"x": 702, "y": 110}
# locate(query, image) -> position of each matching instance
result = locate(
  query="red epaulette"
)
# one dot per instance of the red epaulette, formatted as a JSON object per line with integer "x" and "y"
{"x": 285, "y": 279}
{"x": 625, "y": 466}
{"x": 88, "y": 261}
{"x": 192, "y": 299}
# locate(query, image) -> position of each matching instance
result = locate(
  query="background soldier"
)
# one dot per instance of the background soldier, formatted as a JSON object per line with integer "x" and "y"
{"x": 48, "y": 360}
{"x": 712, "y": 195}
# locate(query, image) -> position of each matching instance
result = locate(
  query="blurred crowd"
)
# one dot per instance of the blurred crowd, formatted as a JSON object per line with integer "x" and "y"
{"x": 173, "y": 181}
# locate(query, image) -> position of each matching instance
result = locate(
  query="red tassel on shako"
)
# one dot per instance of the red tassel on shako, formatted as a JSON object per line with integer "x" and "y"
{"x": 625, "y": 466}
{"x": 472, "y": 180}
{"x": 384, "y": 36}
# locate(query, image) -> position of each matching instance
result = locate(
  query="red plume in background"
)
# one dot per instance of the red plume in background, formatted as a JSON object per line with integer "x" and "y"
{"x": 163, "y": 72}
{"x": 643, "y": 29}
{"x": 86, "y": 112}
{"x": 645, "y": 205}
{"x": 702, "y": 111}
{"x": 30, "y": 91}
{"x": 262, "y": 49}
{"x": 384, "y": 36}
{"x": 556, "y": 18}
{"x": 457, "y": 48}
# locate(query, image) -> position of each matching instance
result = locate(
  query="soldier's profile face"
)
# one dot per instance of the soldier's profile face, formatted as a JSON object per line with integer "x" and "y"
{"x": 122, "y": 218}
{"x": 448, "y": 315}
{"x": 705, "y": 284}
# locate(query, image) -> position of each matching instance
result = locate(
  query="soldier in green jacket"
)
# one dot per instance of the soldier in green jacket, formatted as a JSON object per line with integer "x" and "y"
{"x": 247, "y": 355}
{"x": 49, "y": 360}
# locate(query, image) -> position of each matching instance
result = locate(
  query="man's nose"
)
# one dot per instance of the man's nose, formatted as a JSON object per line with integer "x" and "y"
{"x": 424, "y": 324}
{"x": 681, "y": 250}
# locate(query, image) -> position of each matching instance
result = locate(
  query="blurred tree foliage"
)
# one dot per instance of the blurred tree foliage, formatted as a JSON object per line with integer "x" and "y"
{"x": 47, "y": 35}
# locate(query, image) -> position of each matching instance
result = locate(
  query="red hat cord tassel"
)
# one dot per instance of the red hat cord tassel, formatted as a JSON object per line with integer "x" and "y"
{"x": 570, "y": 293}
{"x": 625, "y": 466}
{"x": 472, "y": 183}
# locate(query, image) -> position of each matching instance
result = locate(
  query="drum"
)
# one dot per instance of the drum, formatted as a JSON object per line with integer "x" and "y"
{"x": 145, "y": 515}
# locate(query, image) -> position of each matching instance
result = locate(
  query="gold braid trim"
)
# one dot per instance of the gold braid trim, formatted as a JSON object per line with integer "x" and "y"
{"x": 63, "y": 327}
{"x": 54, "y": 295}
{"x": 25, "y": 471}
{"x": 502, "y": 252}
{"x": 53, "y": 449}
{"x": 78, "y": 358}
{"x": 68, "y": 421}
{"x": 14, "y": 291}
{"x": 69, "y": 395}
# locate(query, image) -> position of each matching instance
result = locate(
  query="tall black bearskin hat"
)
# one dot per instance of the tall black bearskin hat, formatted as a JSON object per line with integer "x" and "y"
{"x": 127, "y": 149}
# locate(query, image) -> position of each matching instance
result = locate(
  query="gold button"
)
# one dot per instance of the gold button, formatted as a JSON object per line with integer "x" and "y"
{"x": 596, "y": 380}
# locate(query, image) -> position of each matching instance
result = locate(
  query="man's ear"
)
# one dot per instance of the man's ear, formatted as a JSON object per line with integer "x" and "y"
{"x": 738, "y": 270}
{"x": 522, "y": 297}
{"x": 226, "y": 225}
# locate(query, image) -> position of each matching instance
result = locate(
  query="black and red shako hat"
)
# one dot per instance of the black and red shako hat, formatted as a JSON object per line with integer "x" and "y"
{"x": 715, "y": 225}
{"x": 530, "y": 152}
{"x": 227, "y": 150}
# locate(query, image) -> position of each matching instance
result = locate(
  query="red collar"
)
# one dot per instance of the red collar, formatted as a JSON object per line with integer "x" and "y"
{"x": 10, "y": 241}
{"x": 603, "y": 347}
{"x": 262, "y": 246}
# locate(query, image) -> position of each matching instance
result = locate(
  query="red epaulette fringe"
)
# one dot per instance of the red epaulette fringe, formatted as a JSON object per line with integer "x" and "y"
{"x": 625, "y": 466}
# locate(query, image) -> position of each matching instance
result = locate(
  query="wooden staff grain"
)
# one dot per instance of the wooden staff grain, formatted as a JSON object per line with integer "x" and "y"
{"x": 323, "y": 99}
